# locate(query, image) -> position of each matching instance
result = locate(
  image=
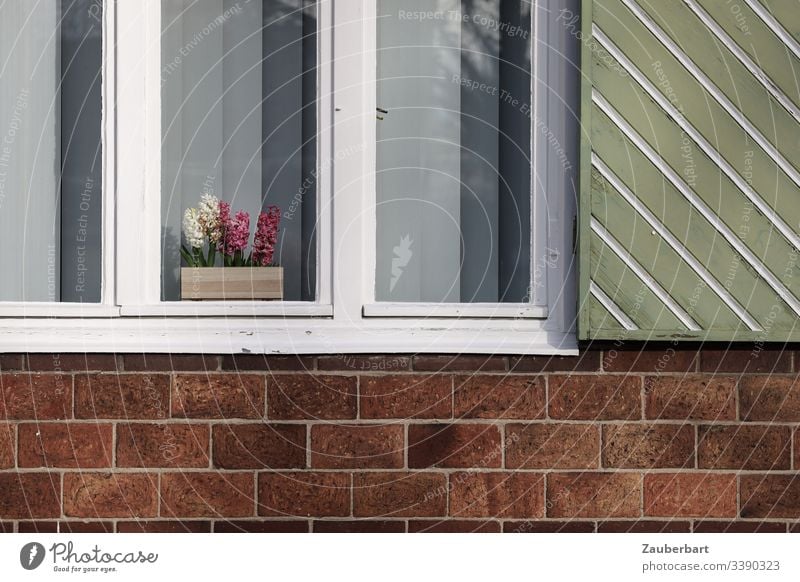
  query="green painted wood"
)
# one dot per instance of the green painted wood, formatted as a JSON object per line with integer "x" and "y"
{"x": 759, "y": 41}
{"x": 720, "y": 316}
{"x": 679, "y": 217}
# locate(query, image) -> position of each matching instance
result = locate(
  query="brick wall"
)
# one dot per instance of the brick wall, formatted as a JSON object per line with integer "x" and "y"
{"x": 623, "y": 438}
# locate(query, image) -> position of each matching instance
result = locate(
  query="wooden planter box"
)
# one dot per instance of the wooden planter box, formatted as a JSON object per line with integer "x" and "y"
{"x": 231, "y": 283}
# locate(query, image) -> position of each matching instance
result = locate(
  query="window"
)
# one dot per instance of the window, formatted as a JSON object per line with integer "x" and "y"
{"x": 414, "y": 153}
{"x": 51, "y": 184}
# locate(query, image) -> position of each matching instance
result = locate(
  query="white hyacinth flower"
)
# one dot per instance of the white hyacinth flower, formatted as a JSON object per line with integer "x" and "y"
{"x": 209, "y": 217}
{"x": 192, "y": 229}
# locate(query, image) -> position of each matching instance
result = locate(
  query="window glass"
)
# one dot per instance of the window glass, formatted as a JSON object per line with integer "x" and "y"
{"x": 453, "y": 150}
{"x": 50, "y": 150}
{"x": 239, "y": 129}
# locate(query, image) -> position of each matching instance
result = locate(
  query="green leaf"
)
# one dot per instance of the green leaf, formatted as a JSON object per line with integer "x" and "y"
{"x": 187, "y": 256}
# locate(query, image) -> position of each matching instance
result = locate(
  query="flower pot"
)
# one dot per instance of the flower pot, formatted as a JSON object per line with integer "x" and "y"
{"x": 231, "y": 283}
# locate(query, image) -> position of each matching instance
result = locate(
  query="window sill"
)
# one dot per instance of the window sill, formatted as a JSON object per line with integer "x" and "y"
{"x": 268, "y": 336}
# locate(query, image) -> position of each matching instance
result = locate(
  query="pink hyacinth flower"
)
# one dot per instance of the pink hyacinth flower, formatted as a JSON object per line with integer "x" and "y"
{"x": 266, "y": 236}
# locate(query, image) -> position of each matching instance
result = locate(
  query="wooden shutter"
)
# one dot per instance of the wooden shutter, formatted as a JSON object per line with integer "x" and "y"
{"x": 690, "y": 178}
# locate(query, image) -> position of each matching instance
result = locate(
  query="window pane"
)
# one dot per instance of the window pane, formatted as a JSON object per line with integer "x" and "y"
{"x": 453, "y": 150}
{"x": 50, "y": 150}
{"x": 239, "y": 126}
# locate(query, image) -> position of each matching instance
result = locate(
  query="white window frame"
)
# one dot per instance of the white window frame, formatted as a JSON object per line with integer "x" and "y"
{"x": 345, "y": 318}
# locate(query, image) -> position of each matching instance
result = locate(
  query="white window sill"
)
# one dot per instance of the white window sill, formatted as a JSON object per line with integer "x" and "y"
{"x": 268, "y": 336}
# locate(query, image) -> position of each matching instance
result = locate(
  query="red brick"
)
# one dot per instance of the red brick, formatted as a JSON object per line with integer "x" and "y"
{"x": 406, "y": 396}
{"x": 259, "y": 446}
{"x": 648, "y": 446}
{"x": 587, "y": 361}
{"x": 454, "y": 445}
{"x": 548, "y": 527}
{"x": 357, "y": 446}
{"x": 498, "y": 495}
{"x": 128, "y": 396}
{"x": 353, "y": 363}
{"x": 164, "y": 526}
{"x": 261, "y": 526}
{"x": 744, "y": 447}
{"x": 501, "y": 397}
{"x": 690, "y": 495}
{"x": 254, "y": 362}
{"x": 72, "y": 446}
{"x": 207, "y": 494}
{"x": 66, "y": 527}
{"x": 742, "y": 358}
{"x": 304, "y": 494}
{"x": 603, "y": 495}
{"x": 399, "y": 495}
{"x": 359, "y": 526}
{"x": 691, "y": 397}
{"x": 462, "y": 363}
{"x": 770, "y": 496}
{"x": 595, "y": 397}
{"x": 739, "y": 527}
{"x": 306, "y": 396}
{"x": 644, "y": 526}
{"x": 770, "y": 398}
{"x": 162, "y": 445}
{"x": 796, "y": 461}
{"x": 552, "y": 446}
{"x": 218, "y": 396}
{"x": 8, "y": 445}
{"x": 72, "y": 362}
{"x": 453, "y": 526}
{"x": 85, "y": 527}
{"x": 29, "y": 495}
{"x": 99, "y": 495}
{"x": 9, "y": 362}
{"x": 170, "y": 363}
{"x": 37, "y": 527}
{"x": 652, "y": 359}
{"x": 35, "y": 397}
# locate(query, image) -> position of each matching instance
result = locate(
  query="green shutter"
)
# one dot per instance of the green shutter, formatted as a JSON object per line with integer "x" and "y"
{"x": 690, "y": 177}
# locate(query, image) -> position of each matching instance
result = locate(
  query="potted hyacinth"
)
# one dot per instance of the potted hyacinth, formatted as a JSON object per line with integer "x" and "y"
{"x": 214, "y": 237}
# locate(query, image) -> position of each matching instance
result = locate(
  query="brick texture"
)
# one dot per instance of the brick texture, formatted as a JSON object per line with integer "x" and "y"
{"x": 406, "y": 396}
{"x": 122, "y": 396}
{"x": 162, "y": 445}
{"x": 503, "y": 397}
{"x": 595, "y": 397}
{"x": 304, "y": 494}
{"x": 71, "y": 446}
{"x": 626, "y": 437}
{"x": 357, "y": 446}
{"x": 311, "y": 397}
{"x": 99, "y": 495}
{"x": 552, "y": 446}
{"x": 454, "y": 445}
{"x": 691, "y": 397}
{"x": 690, "y": 495}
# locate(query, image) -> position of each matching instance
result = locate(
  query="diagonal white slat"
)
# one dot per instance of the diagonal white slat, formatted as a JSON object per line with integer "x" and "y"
{"x": 719, "y": 97}
{"x": 775, "y": 25}
{"x": 687, "y": 192}
{"x": 748, "y": 63}
{"x": 611, "y": 307}
{"x": 646, "y": 278}
{"x": 674, "y": 243}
